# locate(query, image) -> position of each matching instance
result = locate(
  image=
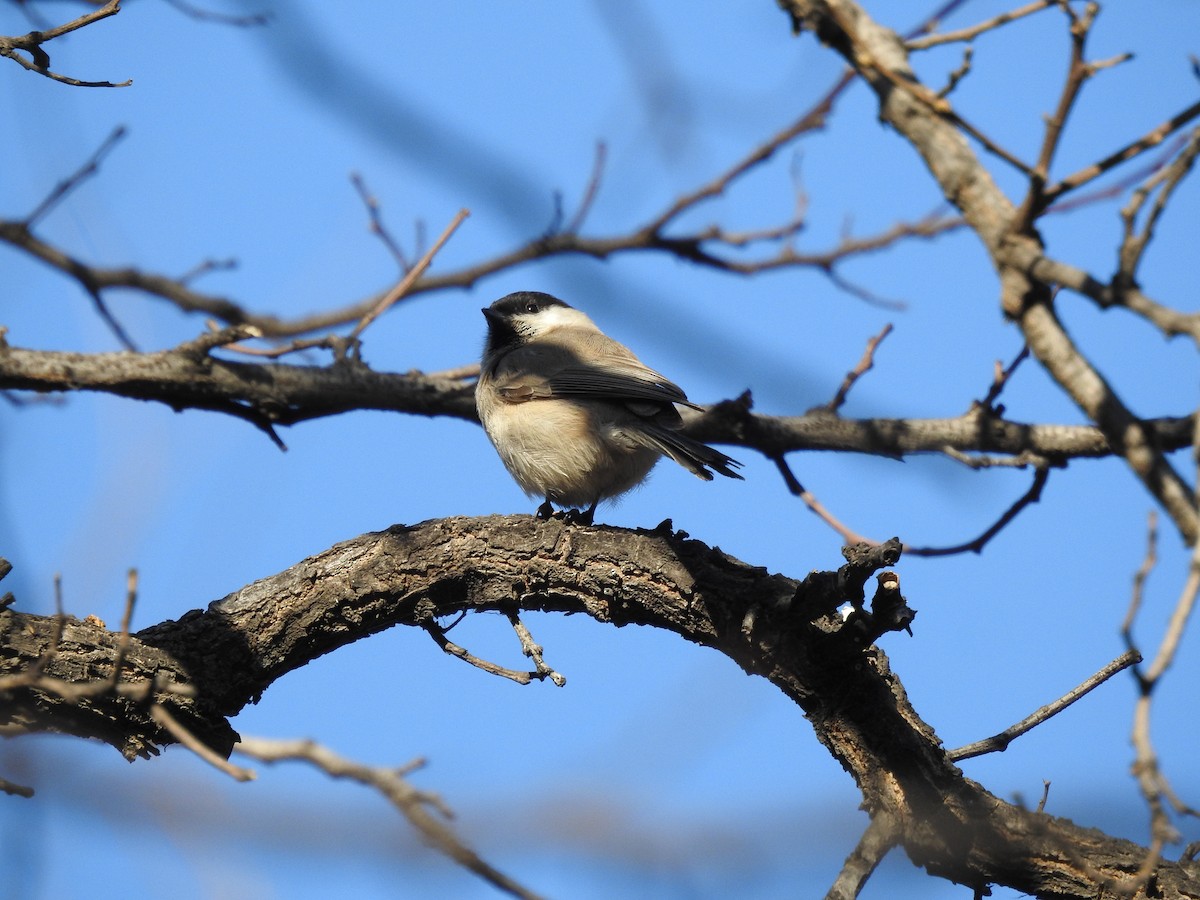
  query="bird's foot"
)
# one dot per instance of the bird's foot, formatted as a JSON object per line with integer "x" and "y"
{"x": 580, "y": 516}
{"x": 546, "y": 510}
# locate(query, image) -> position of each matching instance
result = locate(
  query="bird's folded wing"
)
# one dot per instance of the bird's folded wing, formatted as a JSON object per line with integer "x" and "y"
{"x": 617, "y": 384}
{"x": 547, "y": 371}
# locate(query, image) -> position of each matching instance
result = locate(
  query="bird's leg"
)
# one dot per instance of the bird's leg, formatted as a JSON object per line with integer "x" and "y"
{"x": 546, "y": 510}
{"x": 585, "y": 516}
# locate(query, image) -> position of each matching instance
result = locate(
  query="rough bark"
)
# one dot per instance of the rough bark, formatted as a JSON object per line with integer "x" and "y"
{"x": 773, "y": 626}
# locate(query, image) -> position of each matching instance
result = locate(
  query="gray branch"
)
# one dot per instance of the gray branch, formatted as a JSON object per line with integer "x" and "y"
{"x": 269, "y": 394}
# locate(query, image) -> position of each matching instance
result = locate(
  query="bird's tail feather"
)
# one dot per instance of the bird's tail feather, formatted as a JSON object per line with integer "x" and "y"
{"x": 694, "y": 456}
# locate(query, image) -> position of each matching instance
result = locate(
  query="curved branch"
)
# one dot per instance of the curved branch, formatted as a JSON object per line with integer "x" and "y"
{"x": 786, "y": 631}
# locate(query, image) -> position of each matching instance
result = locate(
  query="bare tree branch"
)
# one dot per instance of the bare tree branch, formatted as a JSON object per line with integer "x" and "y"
{"x": 231, "y": 652}
{"x": 877, "y": 840}
{"x": 39, "y": 60}
{"x": 969, "y": 34}
{"x": 939, "y": 136}
{"x": 268, "y": 395}
{"x": 414, "y": 804}
{"x": 998, "y": 743}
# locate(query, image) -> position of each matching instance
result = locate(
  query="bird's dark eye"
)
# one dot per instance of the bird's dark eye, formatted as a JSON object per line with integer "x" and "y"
{"x": 531, "y": 307}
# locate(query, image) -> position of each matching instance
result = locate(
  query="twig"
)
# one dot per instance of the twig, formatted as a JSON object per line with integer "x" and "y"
{"x": 957, "y": 75}
{"x": 1041, "y": 807}
{"x": 533, "y": 650}
{"x": 377, "y": 228}
{"x": 998, "y": 743}
{"x": 1167, "y": 179}
{"x": 32, "y": 42}
{"x": 867, "y": 62}
{"x": 199, "y": 347}
{"x": 795, "y": 488}
{"x": 589, "y": 192}
{"x": 972, "y": 32}
{"x": 857, "y": 290}
{"x": 163, "y": 718}
{"x": 409, "y": 279}
{"x": 1001, "y": 378}
{"x": 412, "y": 803}
{"x": 439, "y": 636}
{"x": 687, "y": 247}
{"x": 1041, "y": 473}
{"x": 110, "y": 320}
{"x": 1152, "y": 782}
{"x": 813, "y": 119}
{"x": 865, "y": 364}
{"x": 1150, "y": 139}
{"x": 64, "y": 187}
{"x": 464, "y": 372}
{"x": 1022, "y": 460}
{"x": 126, "y": 620}
{"x": 205, "y": 267}
{"x": 1149, "y": 561}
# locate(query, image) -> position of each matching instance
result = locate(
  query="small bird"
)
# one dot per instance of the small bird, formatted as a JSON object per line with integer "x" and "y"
{"x": 574, "y": 415}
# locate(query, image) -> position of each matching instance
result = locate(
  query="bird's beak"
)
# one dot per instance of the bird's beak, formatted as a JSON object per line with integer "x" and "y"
{"x": 491, "y": 315}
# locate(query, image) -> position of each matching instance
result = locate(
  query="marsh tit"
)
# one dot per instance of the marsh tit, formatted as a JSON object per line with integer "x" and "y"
{"x": 574, "y": 415}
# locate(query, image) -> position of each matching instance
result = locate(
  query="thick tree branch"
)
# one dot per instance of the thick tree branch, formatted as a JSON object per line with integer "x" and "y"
{"x": 786, "y": 631}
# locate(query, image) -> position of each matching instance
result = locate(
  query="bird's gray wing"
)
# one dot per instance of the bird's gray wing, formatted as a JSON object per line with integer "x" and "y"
{"x": 545, "y": 371}
{"x": 617, "y": 383}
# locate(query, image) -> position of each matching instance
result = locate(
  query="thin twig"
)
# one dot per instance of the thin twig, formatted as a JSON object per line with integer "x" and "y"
{"x": 972, "y": 32}
{"x": 848, "y": 535}
{"x": 998, "y": 743}
{"x": 533, "y": 650}
{"x": 1001, "y": 379}
{"x": 131, "y": 585}
{"x": 1041, "y": 807}
{"x": 865, "y": 364}
{"x": 371, "y": 202}
{"x": 1155, "y": 788}
{"x": 1150, "y": 139}
{"x": 64, "y": 187}
{"x": 1149, "y": 561}
{"x": 1040, "y": 475}
{"x": 32, "y": 42}
{"x": 958, "y": 74}
{"x": 1167, "y": 180}
{"x": 409, "y": 279}
{"x": 592, "y": 189}
{"x": 412, "y": 803}
{"x": 439, "y": 636}
{"x": 163, "y": 718}
{"x": 110, "y": 320}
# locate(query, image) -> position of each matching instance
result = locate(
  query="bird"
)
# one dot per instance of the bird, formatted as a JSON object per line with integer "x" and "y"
{"x": 575, "y": 416}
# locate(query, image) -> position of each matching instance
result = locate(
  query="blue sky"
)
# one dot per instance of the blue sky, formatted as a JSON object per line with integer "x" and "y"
{"x": 660, "y": 769}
